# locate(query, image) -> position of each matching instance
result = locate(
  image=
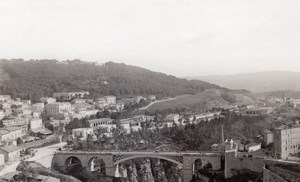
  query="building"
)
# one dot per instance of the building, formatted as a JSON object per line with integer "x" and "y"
{"x": 47, "y": 100}
{"x": 5, "y": 98}
{"x": 10, "y": 134}
{"x": 39, "y": 107}
{"x": 268, "y": 137}
{"x": 252, "y": 147}
{"x": 259, "y": 111}
{"x": 79, "y": 107}
{"x": 2, "y": 159}
{"x": 82, "y": 133}
{"x": 10, "y": 152}
{"x": 293, "y": 102}
{"x": 111, "y": 100}
{"x": 35, "y": 123}
{"x": 78, "y": 101}
{"x": 17, "y": 122}
{"x": 70, "y": 95}
{"x": 2, "y": 114}
{"x": 119, "y": 106}
{"x": 172, "y": 117}
{"x": 287, "y": 140}
{"x": 138, "y": 98}
{"x": 226, "y": 145}
{"x": 152, "y": 97}
{"x": 94, "y": 123}
{"x": 84, "y": 114}
{"x": 58, "y": 108}
{"x": 130, "y": 124}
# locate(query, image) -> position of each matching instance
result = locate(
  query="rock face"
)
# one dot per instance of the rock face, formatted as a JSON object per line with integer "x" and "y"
{"x": 144, "y": 171}
{"x": 132, "y": 173}
{"x": 158, "y": 171}
{"x": 150, "y": 170}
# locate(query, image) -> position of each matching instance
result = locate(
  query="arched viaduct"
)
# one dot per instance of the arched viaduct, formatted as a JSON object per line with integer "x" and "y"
{"x": 184, "y": 160}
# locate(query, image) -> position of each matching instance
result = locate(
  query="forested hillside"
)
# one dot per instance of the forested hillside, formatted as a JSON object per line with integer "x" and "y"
{"x": 36, "y": 78}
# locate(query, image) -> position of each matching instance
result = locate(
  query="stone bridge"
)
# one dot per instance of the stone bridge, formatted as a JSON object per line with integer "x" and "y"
{"x": 184, "y": 160}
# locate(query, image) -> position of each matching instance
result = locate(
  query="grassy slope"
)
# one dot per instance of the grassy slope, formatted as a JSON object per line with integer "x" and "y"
{"x": 205, "y": 100}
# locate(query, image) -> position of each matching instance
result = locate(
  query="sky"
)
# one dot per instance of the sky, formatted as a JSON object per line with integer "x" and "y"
{"x": 178, "y": 37}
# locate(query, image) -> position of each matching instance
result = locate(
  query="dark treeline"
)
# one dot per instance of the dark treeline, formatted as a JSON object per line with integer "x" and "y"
{"x": 36, "y": 78}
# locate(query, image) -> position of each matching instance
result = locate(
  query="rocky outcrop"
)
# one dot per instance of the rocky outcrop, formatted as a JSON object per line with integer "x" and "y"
{"x": 144, "y": 171}
{"x": 150, "y": 170}
{"x": 158, "y": 171}
{"x": 132, "y": 173}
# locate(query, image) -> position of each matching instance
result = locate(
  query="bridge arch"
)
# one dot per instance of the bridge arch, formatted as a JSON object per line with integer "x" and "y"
{"x": 97, "y": 164}
{"x": 72, "y": 160}
{"x": 180, "y": 164}
{"x": 71, "y": 164}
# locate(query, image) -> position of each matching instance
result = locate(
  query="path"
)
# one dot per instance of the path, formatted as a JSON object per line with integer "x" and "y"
{"x": 158, "y": 101}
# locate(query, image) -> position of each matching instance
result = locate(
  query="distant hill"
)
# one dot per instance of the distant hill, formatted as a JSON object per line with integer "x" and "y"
{"x": 257, "y": 82}
{"x": 279, "y": 94}
{"x": 36, "y": 78}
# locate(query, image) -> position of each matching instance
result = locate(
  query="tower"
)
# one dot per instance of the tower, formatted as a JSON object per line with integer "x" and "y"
{"x": 222, "y": 134}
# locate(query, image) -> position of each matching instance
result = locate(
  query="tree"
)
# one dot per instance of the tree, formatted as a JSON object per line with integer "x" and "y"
{"x": 1, "y": 124}
{"x": 26, "y": 172}
{"x": 19, "y": 141}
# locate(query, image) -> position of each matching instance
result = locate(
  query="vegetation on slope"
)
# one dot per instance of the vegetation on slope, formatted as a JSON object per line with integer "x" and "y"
{"x": 34, "y": 79}
{"x": 206, "y": 100}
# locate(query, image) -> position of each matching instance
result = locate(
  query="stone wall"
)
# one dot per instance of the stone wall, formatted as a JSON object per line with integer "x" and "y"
{"x": 238, "y": 163}
{"x": 270, "y": 176}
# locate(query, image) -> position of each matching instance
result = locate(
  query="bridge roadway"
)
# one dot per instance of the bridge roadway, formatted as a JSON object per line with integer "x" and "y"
{"x": 112, "y": 159}
{"x": 205, "y": 153}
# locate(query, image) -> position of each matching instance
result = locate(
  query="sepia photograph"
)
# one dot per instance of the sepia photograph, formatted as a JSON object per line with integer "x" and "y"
{"x": 149, "y": 91}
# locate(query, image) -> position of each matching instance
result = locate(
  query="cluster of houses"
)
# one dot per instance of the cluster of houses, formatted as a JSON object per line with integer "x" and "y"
{"x": 139, "y": 122}
{"x": 21, "y": 123}
{"x": 22, "y": 120}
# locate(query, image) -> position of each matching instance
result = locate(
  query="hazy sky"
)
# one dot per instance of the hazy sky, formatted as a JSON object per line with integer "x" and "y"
{"x": 179, "y": 37}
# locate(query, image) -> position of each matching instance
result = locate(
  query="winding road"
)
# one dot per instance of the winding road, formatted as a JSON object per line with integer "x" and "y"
{"x": 43, "y": 156}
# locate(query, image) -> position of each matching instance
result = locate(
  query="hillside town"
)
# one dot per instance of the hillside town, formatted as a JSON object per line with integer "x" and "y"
{"x": 74, "y": 118}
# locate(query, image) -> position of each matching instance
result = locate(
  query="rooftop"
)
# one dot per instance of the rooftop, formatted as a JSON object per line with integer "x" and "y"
{"x": 91, "y": 121}
{"x": 10, "y": 148}
{"x": 128, "y": 120}
{"x": 285, "y": 127}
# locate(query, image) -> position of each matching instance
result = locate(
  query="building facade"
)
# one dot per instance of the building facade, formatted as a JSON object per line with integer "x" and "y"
{"x": 287, "y": 140}
{"x": 57, "y": 108}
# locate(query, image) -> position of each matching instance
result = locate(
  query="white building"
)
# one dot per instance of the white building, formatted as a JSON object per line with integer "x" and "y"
{"x": 5, "y": 98}
{"x": 111, "y": 100}
{"x": 9, "y": 134}
{"x": 252, "y": 147}
{"x": 130, "y": 125}
{"x": 82, "y": 133}
{"x": 2, "y": 114}
{"x": 35, "y": 123}
{"x": 10, "y": 152}
{"x": 94, "y": 123}
{"x": 172, "y": 117}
